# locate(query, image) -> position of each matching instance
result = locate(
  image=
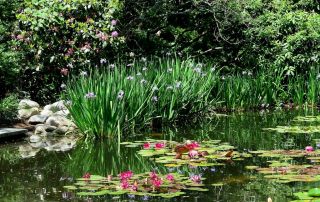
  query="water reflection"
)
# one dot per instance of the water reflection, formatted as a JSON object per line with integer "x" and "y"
{"x": 39, "y": 172}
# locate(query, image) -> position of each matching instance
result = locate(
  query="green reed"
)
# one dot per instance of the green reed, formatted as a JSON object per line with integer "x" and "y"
{"x": 127, "y": 97}
{"x": 122, "y": 96}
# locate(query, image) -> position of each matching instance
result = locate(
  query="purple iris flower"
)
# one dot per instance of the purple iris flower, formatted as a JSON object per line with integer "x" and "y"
{"x": 90, "y": 95}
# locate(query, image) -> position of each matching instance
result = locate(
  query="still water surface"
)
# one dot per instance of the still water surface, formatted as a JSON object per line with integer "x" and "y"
{"x": 41, "y": 174}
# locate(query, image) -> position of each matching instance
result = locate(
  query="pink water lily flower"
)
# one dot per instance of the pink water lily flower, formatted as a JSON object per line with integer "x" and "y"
{"x": 170, "y": 177}
{"x": 86, "y": 175}
{"x": 195, "y": 178}
{"x": 159, "y": 145}
{"x": 124, "y": 184}
{"x": 309, "y": 149}
{"x": 126, "y": 175}
{"x": 109, "y": 178}
{"x": 146, "y": 145}
{"x": 192, "y": 145}
{"x": 153, "y": 175}
{"x": 157, "y": 182}
{"x": 193, "y": 153}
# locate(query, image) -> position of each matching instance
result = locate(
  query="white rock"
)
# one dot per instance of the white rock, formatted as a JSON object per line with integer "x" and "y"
{"x": 64, "y": 113}
{"x": 47, "y": 128}
{"x": 62, "y": 130}
{"x": 35, "y": 138}
{"x": 40, "y": 130}
{"x": 59, "y": 121}
{"x": 29, "y": 154}
{"x": 47, "y": 107}
{"x": 25, "y": 148}
{"x": 46, "y": 112}
{"x": 36, "y": 144}
{"x": 26, "y": 113}
{"x": 38, "y": 119}
{"x": 27, "y": 104}
{"x": 57, "y": 106}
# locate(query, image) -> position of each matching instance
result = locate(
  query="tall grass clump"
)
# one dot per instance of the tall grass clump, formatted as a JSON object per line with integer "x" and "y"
{"x": 121, "y": 96}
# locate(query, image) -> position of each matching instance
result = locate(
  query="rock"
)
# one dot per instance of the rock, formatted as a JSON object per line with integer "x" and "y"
{"x": 27, "y": 104}
{"x": 59, "y": 121}
{"x": 36, "y": 144}
{"x": 26, "y": 113}
{"x": 24, "y": 126}
{"x": 10, "y": 132}
{"x": 29, "y": 154}
{"x": 50, "y": 128}
{"x": 62, "y": 130}
{"x": 35, "y": 119}
{"x": 46, "y": 112}
{"x": 40, "y": 130}
{"x": 57, "y": 106}
{"x": 35, "y": 138}
{"x": 64, "y": 113}
{"x": 25, "y": 148}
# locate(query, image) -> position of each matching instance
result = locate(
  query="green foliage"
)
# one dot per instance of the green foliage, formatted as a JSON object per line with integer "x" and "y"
{"x": 60, "y": 37}
{"x": 278, "y": 41}
{"x": 283, "y": 35}
{"x": 61, "y": 34}
{"x": 194, "y": 27}
{"x": 10, "y": 59}
{"x": 124, "y": 97}
{"x": 8, "y": 108}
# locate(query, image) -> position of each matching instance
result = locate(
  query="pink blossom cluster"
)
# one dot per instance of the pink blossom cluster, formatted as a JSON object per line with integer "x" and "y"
{"x": 102, "y": 36}
{"x": 196, "y": 178}
{"x": 193, "y": 154}
{"x": 155, "y": 180}
{"x": 192, "y": 145}
{"x": 158, "y": 145}
{"x": 124, "y": 177}
{"x": 309, "y": 149}
{"x": 86, "y": 176}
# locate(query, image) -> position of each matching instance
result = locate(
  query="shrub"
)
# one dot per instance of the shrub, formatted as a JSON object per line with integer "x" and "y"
{"x": 10, "y": 59}
{"x": 61, "y": 37}
{"x": 9, "y": 108}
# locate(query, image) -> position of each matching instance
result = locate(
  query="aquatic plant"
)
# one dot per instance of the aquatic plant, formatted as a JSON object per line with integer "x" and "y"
{"x": 111, "y": 100}
{"x": 174, "y": 154}
{"x": 311, "y": 195}
{"x": 286, "y": 169}
{"x": 147, "y": 184}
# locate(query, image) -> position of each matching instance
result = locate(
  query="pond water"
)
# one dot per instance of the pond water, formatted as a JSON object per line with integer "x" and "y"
{"x": 41, "y": 174}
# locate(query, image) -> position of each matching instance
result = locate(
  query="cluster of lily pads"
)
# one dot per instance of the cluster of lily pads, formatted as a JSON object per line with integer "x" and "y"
{"x": 297, "y": 128}
{"x": 310, "y": 195}
{"x": 171, "y": 154}
{"x": 174, "y": 154}
{"x": 286, "y": 169}
{"x": 144, "y": 184}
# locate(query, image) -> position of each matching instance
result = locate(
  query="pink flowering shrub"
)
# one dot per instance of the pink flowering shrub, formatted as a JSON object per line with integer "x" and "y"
{"x": 62, "y": 37}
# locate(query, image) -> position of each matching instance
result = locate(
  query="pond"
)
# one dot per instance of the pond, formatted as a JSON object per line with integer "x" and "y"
{"x": 41, "y": 174}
